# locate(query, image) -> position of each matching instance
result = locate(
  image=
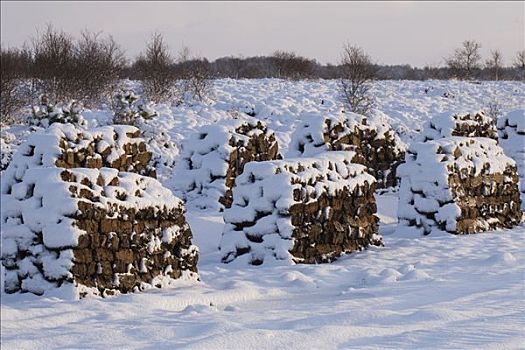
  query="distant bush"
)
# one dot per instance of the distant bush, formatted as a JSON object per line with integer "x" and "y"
{"x": 47, "y": 113}
{"x": 86, "y": 69}
{"x": 155, "y": 69}
{"x": 291, "y": 66}
{"x": 194, "y": 75}
{"x": 14, "y": 94}
{"x": 128, "y": 107}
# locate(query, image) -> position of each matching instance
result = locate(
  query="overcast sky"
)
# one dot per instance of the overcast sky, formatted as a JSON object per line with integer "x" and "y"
{"x": 391, "y": 32}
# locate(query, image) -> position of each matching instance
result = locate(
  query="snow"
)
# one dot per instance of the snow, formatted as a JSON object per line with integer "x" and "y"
{"x": 432, "y": 292}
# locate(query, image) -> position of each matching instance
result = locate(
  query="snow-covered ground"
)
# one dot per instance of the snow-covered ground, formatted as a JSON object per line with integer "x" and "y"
{"x": 433, "y": 292}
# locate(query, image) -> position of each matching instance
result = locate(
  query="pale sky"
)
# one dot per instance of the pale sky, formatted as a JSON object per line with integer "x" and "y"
{"x": 391, "y": 32}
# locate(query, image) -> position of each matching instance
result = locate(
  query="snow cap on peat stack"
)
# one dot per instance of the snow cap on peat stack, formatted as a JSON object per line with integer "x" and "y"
{"x": 511, "y": 132}
{"x": 213, "y": 157}
{"x": 67, "y": 146}
{"x": 458, "y": 184}
{"x": 304, "y": 210}
{"x": 466, "y": 124}
{"x": 375, "y": 143}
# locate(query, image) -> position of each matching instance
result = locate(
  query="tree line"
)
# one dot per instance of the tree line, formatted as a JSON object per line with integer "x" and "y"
{"x": 91, "y": 67}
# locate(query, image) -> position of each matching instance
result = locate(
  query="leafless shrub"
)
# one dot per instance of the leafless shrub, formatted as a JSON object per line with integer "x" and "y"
{"x": 494, "y": 63}
{"x": 357, "y": 72}
{"x": 195, "y": 77}
{"x": 465, "y": 59}
{"x": 494, "y": 109}
{"x": 99, "y": 62}
{"x": 54, "y": 56}
{"x": 519, "y": 62}
{"x": 86, "y": 70}
{"x": 155, "y": 68}
{"x": 14, "y": 94}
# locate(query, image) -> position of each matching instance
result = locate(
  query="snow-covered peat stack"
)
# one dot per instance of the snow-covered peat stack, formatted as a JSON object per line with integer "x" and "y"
{"x": 306, "y": 210}
{"x": 213, "y": 157}
{"x": 468, "y": 124}
{"x": 81, "y": 232}
{"x": 71, "y": 223}
{"x": 458, "y": 184}
{"x": 511, "y": 132}
{"x": 67, "y": 146}
{"x": 375, "y": 143}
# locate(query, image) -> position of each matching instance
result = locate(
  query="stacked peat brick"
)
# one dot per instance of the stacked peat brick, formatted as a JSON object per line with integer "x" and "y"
{"x": 373, "y": 140}
{"x": 511, "y": 132}
{"x": 213, "y": 157}
{"x": 458, "y": 179}
{"x": 468, "y": 124}
{"x": 73, "y": 221}
{"x": 305, "y": 210}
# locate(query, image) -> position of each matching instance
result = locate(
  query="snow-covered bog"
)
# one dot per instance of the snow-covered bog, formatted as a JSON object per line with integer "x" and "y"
{"x": 304, "y": 210}
{"x": 466, "y": 124}
{"x": 373, "y": 140}
{"x": 215, "y": 155}
{"x": 459, "y": 185}
{"x": 81, "y": 232}
{"x": 511, "y": 132}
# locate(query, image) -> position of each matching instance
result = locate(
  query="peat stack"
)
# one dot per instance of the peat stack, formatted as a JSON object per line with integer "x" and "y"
{"x": 458, "y": 184}
{"x": 467, "y": 124}
{"x": 305, "y": 210}
{"x": 85, "y": 232}
{"x": 214, "y": 156}
{"x": 511, "y": 132}
{"x": 70, "y": 224}
{"x": 373, "y": 140}
{"x": 68, "y": 146}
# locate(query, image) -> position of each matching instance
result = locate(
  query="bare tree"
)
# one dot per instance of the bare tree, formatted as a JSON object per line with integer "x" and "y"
{"x": 14, "y": 69}
{"x": 465, "y": 59}
{"x": 357, "y": 72}
{"x": 155, "y": 67}
{"x": 494, "y": 63}
{"x": 519, "y": 62}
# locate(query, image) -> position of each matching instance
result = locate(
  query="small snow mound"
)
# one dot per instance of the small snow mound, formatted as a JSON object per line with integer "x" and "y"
{"x": 297, "y": 278}
{"x": 407, "y": 268}
{"x": 389, "y": 275}
{"x": 197, "y": 309}
{"x": 231, "y": 308}
{"x": 505, "y": 258}
{"x": 416, "y": 275}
